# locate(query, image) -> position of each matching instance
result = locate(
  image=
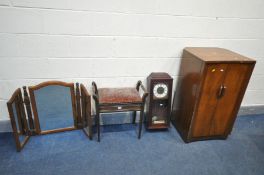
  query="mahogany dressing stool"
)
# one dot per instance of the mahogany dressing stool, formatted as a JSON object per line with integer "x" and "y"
{"x": 109, "y": 100}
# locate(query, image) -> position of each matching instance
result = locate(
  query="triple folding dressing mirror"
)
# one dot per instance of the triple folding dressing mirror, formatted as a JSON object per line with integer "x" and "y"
{"x": 56, "y": 106}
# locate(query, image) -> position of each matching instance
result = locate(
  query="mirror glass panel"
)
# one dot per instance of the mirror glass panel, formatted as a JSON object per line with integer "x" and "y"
{"x": 18, "y": 122}
{"x": 54, "y": 107}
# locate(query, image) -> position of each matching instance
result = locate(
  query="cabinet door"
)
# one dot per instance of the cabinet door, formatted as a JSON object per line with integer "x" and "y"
{"x": 214, "y": 76}
{"x": 235, "y": 82}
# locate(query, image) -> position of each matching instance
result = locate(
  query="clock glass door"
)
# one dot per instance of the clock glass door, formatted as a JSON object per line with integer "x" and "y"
{"x": 160, "y": 104}
{"x": 159, "y": 114}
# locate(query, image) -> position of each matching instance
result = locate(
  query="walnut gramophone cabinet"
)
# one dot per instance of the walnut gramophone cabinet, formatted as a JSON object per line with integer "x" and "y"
{"x": 212, "y": 86}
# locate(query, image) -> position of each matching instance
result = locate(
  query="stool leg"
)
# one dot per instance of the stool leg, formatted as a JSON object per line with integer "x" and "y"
{"x": 140, "y": 121}
{"x": 134, "y": 117}
{"x": 98, "y": 126}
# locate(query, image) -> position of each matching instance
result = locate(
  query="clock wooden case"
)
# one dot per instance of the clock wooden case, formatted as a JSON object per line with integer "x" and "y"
{"x": 159, "y": 86}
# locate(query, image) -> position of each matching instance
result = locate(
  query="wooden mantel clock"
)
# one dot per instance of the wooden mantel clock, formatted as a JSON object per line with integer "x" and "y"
{"x": 159, "y": 86}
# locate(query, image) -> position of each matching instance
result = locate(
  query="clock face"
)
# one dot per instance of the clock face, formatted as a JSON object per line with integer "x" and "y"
{"x": 160, "y": 90}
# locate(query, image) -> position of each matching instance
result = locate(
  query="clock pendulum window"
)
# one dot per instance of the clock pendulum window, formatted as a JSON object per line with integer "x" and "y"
{"x": 159, "y": 85}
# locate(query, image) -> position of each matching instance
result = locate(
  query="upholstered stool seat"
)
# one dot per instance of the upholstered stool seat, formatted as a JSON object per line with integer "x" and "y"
{"x": 119, "y": 100}
{"x": 118, "y": 95}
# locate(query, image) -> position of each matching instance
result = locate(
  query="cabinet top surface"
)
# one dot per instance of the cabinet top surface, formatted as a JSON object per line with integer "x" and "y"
{"x": 213, "y": 54}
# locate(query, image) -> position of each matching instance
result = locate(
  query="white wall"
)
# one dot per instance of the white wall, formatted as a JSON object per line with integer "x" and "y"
{"x": 117, "y": 42}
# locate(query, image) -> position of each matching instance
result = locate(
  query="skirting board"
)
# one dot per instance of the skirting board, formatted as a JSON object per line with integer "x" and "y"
{"x": 251, "y": 110}
{"x": 120, "y": 118}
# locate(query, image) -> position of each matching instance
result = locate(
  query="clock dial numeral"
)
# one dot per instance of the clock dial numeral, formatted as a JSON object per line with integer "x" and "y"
{"x": 160, "y": 90}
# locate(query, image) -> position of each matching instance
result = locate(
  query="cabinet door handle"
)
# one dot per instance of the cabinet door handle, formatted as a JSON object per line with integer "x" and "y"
{"x": 221, "y": 91}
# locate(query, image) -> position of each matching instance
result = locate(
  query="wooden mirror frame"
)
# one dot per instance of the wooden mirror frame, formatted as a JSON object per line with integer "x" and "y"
{"x": 86, "y": 111}
{"x": 21, "y": 117}
{"x": 31, "y": 90}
